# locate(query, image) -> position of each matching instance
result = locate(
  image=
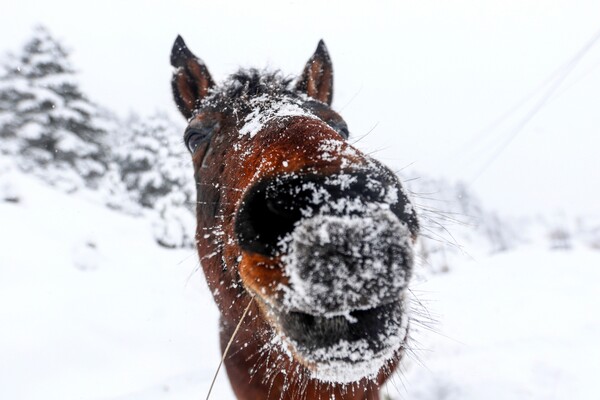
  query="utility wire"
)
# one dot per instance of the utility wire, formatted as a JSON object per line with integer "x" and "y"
{"x": 539, "y": 104}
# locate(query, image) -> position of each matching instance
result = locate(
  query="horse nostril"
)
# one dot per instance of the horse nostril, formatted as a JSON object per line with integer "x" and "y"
{"x": 279, "y": 207}
{"x": 272, "y": 207}
{"x": 268, "y": 212}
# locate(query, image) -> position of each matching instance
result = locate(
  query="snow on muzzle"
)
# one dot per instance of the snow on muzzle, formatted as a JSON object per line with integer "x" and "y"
{"x": 338, "y": 264}
{"x": 347, "y": 278}
{"x": 345, "y": 243}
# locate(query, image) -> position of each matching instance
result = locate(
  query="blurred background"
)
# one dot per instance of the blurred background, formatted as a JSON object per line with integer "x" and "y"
{"x": 488, "y": 111}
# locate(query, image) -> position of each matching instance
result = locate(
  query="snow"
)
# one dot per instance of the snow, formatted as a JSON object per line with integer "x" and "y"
{"x": 92, "y": 308}
{"x": 331, "y": 148}
{"x": 365, "y": 362}
{"x": 367, "y": 240}
{"x": 265, "y": 109}
{"x": 9, "y": 188}
{"x": 32, "y": 131}
{"x": 521, "y": 325}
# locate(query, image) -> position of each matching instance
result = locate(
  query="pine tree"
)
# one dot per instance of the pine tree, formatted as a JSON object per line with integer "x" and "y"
{"x": 157, "y": 172}
{"x": 152, "y": 159}
{"x": 49, "y": 122}
{"x": 12, "y": 91}
{"x": 174, "y": 225}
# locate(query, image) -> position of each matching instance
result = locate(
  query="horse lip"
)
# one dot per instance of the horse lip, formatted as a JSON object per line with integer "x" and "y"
{"x": 372, "y": 325}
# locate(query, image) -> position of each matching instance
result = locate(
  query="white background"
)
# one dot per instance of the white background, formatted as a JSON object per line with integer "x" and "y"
{"x": 429, "y": 75}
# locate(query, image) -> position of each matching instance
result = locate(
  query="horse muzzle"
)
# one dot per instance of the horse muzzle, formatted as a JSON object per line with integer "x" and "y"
{"x": 344, "y": 243}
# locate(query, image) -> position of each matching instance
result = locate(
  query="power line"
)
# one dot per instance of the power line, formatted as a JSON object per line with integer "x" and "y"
{"x": 554, "y": 86}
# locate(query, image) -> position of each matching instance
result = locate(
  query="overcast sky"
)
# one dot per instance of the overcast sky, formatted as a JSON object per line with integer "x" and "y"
{"x": 431, "y": 79}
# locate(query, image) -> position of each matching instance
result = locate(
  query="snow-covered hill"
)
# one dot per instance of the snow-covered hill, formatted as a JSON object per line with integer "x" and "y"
{"x": 517, "y": 325}
{"x": 92, "y": 308}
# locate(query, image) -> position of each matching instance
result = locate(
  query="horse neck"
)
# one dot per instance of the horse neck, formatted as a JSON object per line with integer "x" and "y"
{"x": 258, "y": 369}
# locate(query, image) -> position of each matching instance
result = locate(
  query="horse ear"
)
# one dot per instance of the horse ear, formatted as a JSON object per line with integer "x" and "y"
{"x": 191, "y": 80}
{"x": 317, "y": 78}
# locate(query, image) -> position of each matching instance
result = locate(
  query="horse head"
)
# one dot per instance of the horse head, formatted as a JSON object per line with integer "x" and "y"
{"x": 296, "y": 223}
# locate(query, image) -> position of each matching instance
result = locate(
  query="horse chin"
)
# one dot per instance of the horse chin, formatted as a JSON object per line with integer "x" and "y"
{"x": 344, "y": 348}
{"x": 348, "y": 370}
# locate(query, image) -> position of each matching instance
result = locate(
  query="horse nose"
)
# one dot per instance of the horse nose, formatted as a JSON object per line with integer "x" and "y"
{"x": 272, "y": 208}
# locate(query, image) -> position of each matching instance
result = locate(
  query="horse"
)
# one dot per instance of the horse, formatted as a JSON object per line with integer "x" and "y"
{"x": 306, "y": 243}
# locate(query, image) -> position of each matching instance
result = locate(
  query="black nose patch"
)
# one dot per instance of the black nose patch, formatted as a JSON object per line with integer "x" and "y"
{"x": 272, "y": 207}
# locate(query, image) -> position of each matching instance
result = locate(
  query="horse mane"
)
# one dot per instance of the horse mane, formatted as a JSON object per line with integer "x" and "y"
{"x": 254, "y": 82}
{"x": 246, "y": 84}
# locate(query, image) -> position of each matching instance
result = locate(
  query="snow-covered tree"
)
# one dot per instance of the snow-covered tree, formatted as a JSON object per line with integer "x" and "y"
{"x": 452, "y": 220}
{"x": 174, "y": 225}
{"x": 153, "y": 160}
{"x": 114, "y": 194}
{"x": 46, "y": 119}
{"x": 12, "y": 91}
{"x": 9, "y": 188}
{"x": 157, "y": 171}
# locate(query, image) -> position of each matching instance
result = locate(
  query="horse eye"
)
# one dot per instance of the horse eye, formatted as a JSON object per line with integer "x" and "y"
{"x": 194, "y": 137}
{"x": 341, "y": 128}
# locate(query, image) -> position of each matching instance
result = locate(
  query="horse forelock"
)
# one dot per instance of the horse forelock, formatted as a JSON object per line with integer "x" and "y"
{"x": 254, "y": 82}
{"x": 246, "y": 84}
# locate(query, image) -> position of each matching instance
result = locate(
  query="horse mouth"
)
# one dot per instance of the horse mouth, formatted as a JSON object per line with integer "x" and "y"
{"x": 312, "y": 332}
{"x": 345, "y": 348}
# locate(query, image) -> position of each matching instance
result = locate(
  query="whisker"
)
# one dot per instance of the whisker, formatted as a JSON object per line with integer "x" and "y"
{"x": 227, "y": 347}
{"x": 366, "y": 134}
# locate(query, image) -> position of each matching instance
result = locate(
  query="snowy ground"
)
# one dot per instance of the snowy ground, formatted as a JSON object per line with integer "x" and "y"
{"x": 522, "y": 325}
{"x": 91, "y": 308}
